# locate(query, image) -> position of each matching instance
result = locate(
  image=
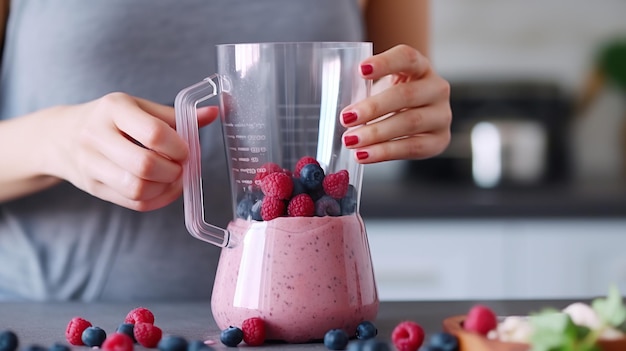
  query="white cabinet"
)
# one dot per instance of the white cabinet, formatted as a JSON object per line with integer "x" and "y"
{"x": 491, "y": 259}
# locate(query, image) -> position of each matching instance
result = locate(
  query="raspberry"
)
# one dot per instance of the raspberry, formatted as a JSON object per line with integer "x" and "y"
{"x": 407, "y": 336}
{"x": 480, "y": 319}
{"x": 265, "y": 170}
{"x": 303, "y": 162}
{"x": 277, "y": 184}
{"x": 301, "y": 206}
{"x": 118, "y": 342}
{"x": 272, "y": 207}
{"x": 75, "y": 329}
{"x": 147, "y": 334}
{"x": 253, "y": 331}
{"x": 139, "y": 315}
{"x": 336, "y": 184}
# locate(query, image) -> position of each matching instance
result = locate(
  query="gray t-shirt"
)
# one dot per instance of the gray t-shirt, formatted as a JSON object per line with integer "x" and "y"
{"x": 64, "y": 244}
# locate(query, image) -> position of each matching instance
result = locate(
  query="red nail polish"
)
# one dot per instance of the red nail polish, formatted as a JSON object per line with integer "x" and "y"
{"x": 367, "y": 69}
{"x": 362, "y": 155}
{"x": 350, "y": 140}
{"x": 348, "y": 117}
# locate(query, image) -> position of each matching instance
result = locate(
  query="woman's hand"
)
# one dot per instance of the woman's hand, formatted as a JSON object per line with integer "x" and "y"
{"x": 410, "y": 119}
{"x": 123, "y": 149}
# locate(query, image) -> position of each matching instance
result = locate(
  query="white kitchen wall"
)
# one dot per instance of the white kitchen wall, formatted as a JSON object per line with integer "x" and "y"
{"x": 521, "y": 38}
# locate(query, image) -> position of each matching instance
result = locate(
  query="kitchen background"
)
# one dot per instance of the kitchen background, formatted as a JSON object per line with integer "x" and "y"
{"x": 529, "y": 200}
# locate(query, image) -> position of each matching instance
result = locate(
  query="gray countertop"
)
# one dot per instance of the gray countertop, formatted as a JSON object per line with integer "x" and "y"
{"x": 44, "y": 323}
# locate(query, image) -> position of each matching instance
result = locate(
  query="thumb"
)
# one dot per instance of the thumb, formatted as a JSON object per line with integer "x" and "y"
{"x": 207, "y": 115}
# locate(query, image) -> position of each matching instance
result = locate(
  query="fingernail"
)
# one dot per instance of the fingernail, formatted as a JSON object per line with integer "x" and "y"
{"x": 367, "y": 69}
{"x": 350, "y": 140}
{"x": 348, "y": 117}
{"x": 362, "y": 155}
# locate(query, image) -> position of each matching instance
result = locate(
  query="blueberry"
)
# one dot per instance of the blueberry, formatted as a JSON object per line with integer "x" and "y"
{"x": 312, "y": 176}
{"x": 356, "y": 345}
{"x": 34, "y": 347}
{"x": 255, "y": 211}
{"x": 444, "y": 342}
{"x": 348, "y": 202}
{"x": 8, "y": 341}
{"x": 57, "y": 346}
{"x": 316, "y": 194}
{"x": 366, "y": 330}
{"x": 298, "y": 187}
{"x": 93, "y": 336}
{"x": 244, "y": 207}
{"x": 327, "y": 206}
{"x": 128, "y": 329}
{"x": 336, "y": 339}
{"x": 231, "y": 336}
{"x": 375, "y": 345}
{"x": 198, "y": 345}
{"x": 172, "y": 343}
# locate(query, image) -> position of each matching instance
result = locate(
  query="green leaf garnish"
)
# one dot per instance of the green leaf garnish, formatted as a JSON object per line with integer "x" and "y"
{"x": 611, "y": 309}
{"x": 555, "y": 331}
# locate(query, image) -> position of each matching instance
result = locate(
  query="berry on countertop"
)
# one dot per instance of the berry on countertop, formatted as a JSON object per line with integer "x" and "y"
{"x": 480, "y": 319}
{"x": 231, "y": 336}
{"x": 198, "y": 345}
{"x": 301, "y": 206}
{"x": 272, "y": 207}
{"x": 303, "y": 162}
{"x": 407, "y": 336}
{"x": 444, "y": 342}
{"x": 93, "y": 336}
{"x": 128, "y": 329}
{"x": 253, "y": 331}
{"x": 336, "y": 184}
{"x": 366, "y": 330}
{"x": 172, "y": 343}
{"x": 8, "y": 341}
{"x": 277, "y": 184}
{"x": 57, "y": 346}
{"x": 312, "y": 176}
{"x": 139, "y": 315}
{"x": 336, "y": 339}
{"x": 74, "y": 330}
{"x": 34, "y": 347}
{"x": 375, "y": 345}
{"x": 118, "y": 342}
{"x": 327, "y": 206}
{"x": 147, "y": 334}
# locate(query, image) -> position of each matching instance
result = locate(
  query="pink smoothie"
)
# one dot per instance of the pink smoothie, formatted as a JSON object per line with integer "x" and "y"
{"x": 302, "y": 275}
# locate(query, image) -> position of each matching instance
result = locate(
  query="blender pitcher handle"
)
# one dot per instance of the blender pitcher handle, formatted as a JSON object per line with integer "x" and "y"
{"x": 187, "y": 127}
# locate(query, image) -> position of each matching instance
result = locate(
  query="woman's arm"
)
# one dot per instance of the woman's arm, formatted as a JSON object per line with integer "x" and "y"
{"x": 390, "y": 23}
{"x": 24, "y": 154}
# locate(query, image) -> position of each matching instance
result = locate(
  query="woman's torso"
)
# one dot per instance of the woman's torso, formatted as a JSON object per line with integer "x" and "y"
{"x": 64, "y": 244}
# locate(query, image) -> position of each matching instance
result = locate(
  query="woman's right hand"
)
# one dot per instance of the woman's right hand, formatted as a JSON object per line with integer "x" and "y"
{"x": 122, "y": 149}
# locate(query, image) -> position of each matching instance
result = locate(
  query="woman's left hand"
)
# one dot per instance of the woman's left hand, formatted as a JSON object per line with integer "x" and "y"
{"x": 408, "y": 120}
